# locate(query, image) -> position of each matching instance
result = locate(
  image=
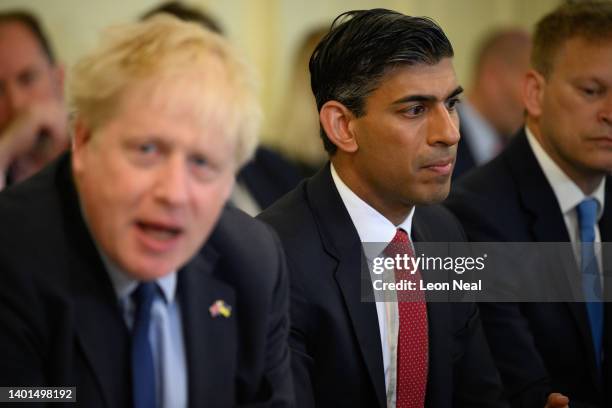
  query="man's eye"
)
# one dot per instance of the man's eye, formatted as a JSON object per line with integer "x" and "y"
{"x": 452, "y": 103}
{"x": 590, "y": 91}
{"x": 415, "y": 110}
{"x": 147, "y": 148}
{"x": 199, "y": 161}
{"x": 27, "y": 78}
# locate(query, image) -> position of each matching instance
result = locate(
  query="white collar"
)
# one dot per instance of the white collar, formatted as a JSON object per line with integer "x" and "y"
{"x": 568, "y": 194}
{"x": 371, "y": 225}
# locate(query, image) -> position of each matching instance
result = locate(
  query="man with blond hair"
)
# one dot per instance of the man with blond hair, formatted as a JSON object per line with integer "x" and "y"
{"x": 124, "y": 273}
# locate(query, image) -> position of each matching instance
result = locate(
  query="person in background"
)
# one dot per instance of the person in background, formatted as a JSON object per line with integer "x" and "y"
{"x": 297, "y": 136}
{"x": 123, "y": 271}
{"x": 268, "y": 175}
{"x": 552, "y": 184}
{"x": 493, "y": 110}
{"x": 33, "y": 129}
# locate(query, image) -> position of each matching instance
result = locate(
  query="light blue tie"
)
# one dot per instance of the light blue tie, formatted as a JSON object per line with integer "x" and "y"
{"x": 591, "y": 284}
{"x": 143, "y": 368}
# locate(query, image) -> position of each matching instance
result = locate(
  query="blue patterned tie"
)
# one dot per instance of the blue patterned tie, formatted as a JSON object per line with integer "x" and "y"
{"x": 143, "y": 369}
{"x": 591, "y": 284}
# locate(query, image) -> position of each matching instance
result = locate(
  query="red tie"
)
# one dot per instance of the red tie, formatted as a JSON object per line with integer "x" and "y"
{"x": 412, "y": 343}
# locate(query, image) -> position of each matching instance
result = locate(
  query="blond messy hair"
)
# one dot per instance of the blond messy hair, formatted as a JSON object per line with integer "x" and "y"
{"x": 164, "y": 49}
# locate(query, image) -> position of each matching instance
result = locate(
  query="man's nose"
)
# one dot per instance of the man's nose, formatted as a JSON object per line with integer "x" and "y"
{"x": 172, "y": 182}
{"x": 443, "y": 127}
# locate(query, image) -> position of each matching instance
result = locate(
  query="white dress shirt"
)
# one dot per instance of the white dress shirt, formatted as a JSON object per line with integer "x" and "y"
{"x": 373, "y": 227}
{"x": 569, "y": 195}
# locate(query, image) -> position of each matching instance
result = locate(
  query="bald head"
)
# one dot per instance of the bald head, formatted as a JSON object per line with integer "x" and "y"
{"x": 501, "y": 61}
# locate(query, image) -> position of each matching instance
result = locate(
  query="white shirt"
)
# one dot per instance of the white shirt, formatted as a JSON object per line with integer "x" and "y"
{"x": 373, "y": 227}
{"x": 483, "y": 141}
{"x": 569, "y": 195}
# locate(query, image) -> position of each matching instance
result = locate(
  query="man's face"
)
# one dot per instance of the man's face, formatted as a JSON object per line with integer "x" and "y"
{"x": 154, "y": 178}
{"x": 26, "y": 75}
{"x": 408, "y": 135}
{"x": 574, "y": 109}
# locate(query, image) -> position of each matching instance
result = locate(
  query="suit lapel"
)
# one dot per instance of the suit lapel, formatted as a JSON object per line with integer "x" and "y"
{"x": 548, "y": 225}
{"x": 104, "y": 340}
{"x": 210, "y": 341}
{"x": 101, "y": 332}
{"x": 341, "y": 241}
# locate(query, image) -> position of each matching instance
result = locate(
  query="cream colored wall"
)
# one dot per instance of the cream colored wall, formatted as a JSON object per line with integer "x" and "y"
{"x": 268, "y": 30}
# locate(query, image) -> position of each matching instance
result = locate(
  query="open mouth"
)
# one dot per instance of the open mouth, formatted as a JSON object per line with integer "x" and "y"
{"x": 158, "y": 237}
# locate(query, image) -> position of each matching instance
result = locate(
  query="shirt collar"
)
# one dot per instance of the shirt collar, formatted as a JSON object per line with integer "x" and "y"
{"x": 567, "y": 192}
{"x": 124, "y": 285}
{"x": 371, "y": 225}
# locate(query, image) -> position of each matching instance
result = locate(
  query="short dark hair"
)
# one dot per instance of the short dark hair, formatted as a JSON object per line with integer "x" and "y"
{"x": 186, "y": 13}
{"x": 364, "y": 45}
{"x": 26, "y": 18}
{"x": 591, "y": 20}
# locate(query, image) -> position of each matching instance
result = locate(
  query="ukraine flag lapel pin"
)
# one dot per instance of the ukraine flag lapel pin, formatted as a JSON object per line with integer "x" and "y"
{"x": 219, "y": 308}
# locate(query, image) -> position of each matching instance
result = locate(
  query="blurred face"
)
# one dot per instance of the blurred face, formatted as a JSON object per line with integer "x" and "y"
{"x": 507, "y": 99}
{"x": 571, "y": 110}
{"x": 154, "y": 178}
{"x": 26, "y": 75}
{"x": 407, "y": 138}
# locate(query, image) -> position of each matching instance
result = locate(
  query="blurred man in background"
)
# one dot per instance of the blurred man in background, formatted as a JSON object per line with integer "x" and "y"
{"x": 493, "y": 110}
{"x": 32, "y": 116}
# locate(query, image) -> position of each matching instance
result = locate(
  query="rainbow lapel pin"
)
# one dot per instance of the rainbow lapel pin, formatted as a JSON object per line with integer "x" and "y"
{"x": 219, "y": 308}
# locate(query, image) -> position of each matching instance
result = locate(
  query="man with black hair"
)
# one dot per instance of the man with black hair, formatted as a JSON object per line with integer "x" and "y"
{"x": 386, "y": 92}
{"x": 32, "y": 116}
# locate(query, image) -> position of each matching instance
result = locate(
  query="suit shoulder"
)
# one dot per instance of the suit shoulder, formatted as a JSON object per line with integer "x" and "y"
{"x": 291, "y": 215}
{"x": 241, "y": 232}
{"x": 486, "y": 201}
{"x": 437, "y": 223}
{"x": 30, "y": 209}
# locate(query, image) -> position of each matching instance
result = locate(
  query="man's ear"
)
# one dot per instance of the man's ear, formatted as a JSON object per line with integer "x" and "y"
{"x": 533, "y": 92}
{"x": 81, "y": 137}
{"x": 335, "y": 119}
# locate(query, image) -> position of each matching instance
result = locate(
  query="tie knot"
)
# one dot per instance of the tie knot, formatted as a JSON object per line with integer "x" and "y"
{"x": 400, "y": 244}
{"x": 587, "y": 214}
{"x": 144, "y": 294}
{"x": 401, "y": 236}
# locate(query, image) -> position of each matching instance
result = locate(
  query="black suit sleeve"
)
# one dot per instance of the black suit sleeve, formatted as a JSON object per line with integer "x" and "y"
{"x": 522, "y": 370}
{"x": 277, "y": 364}
{"x": 301, "y": 360}
{"x": 477, "y": 382}
{"x": 21, "y": 350}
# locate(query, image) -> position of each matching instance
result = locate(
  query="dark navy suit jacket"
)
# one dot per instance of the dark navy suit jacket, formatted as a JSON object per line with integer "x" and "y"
{"x": 61, "y": 325}
{"x": 538, "y": 347}
{"x": 334, "y": 339}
